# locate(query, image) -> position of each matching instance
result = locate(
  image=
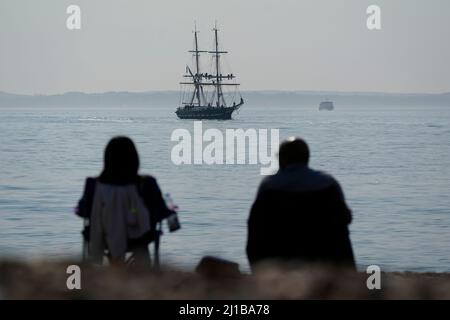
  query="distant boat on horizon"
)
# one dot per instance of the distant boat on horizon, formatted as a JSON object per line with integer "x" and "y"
{"x": 326, "y": 105}
{"x": 204, "y": 97}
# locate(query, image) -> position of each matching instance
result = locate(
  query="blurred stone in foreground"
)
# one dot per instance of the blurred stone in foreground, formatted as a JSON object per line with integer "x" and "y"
{"x": 216, "y": 268}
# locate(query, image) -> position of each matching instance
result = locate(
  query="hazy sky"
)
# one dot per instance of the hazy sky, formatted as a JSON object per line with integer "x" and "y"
{"x": 141, "y": 45}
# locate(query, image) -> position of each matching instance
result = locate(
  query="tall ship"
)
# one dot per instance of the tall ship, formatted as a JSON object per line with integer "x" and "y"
{"x": 208, "y": 95}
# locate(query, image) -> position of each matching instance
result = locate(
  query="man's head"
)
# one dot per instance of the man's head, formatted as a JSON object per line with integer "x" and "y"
{"x": 293, "y": 151}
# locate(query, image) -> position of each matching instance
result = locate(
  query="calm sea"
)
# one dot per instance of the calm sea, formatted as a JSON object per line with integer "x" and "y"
{"x": 393, "y": 163}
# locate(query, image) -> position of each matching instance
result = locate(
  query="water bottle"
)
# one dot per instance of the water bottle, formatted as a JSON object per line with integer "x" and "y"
{"x": 172, "y": 219}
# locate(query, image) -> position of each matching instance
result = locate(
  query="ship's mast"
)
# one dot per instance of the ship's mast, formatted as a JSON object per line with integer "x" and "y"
{"x": 217, "y": 66}
{"x": 197, "y": 57}
{"x": 218, "y": 75}
{"x": 196, "y": 78}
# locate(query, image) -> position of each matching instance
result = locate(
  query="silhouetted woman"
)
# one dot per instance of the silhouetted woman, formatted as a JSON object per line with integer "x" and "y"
{"x": 122, "y": 207}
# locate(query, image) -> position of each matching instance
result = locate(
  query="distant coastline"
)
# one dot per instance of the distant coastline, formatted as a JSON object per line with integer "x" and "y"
{"x": 267, "y": 97}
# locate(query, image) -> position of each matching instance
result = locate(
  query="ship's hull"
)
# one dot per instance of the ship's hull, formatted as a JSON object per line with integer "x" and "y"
{"x": 206, "y": 113}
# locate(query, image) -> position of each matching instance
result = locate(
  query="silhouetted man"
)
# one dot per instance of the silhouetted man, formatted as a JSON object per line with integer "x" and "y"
{"x": 299, "y": 214}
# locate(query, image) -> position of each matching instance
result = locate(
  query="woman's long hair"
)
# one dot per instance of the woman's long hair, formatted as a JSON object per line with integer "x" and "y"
{"x": 121, "y": 162}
